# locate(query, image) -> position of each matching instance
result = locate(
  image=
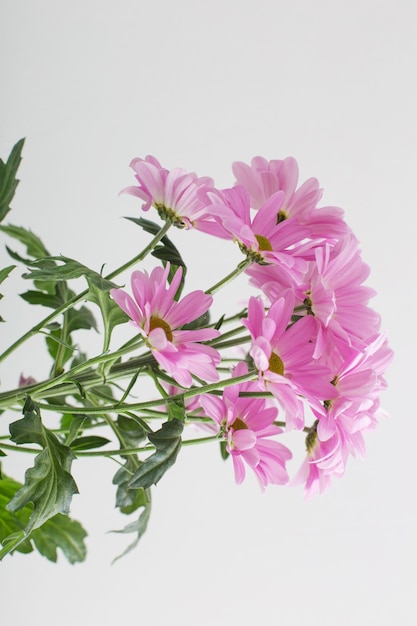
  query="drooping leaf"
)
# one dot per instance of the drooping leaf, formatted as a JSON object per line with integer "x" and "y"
{"x": 128, "y": 500}
{"x": 111, "y": 313}
{"x": 167, "y": 441}
{"x": 139, "y": 526}
{"x": 8, "y": 180}
{"x": 48, "y": 484}
{"x": 58, "y": 532}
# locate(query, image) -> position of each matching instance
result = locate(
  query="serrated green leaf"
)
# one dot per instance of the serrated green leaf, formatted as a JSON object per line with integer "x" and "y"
{"x": 61, "y": 532}
{"x": 80, "y": 318}
{"x": 42, "y": 269}
{"x": 58, "y": 532}
{"x": 89, "y": 442}
{"x": 139, "y": 526}
{"x": 48, "y": 484}
{"x": 167, "y": 441}
{"x": 8, "y": 180}
{"x": 111, "y": 313}
{"x": 33, "y": 244}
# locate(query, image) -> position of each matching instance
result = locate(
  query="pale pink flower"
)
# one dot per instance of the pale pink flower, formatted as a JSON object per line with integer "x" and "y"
{"x": 265, "y": 178}
{"x": 336, "y": 296}
{"x": 176, "y": 194}
{"x": 247, "y": 424}
{"x": 159, "y": 318}
{"x": 283, "y": 354}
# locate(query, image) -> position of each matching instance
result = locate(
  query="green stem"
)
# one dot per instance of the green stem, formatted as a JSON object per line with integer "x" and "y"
{"x": 227, "y": 279}
{"x": 120, "y": 408}
{"x": 77, "y": 298}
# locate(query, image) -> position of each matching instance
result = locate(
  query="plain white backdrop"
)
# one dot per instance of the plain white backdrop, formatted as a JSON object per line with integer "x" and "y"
{"x": 92, "y": 84}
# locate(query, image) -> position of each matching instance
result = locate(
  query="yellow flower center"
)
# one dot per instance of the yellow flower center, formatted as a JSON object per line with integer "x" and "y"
{"x": 157, "y": 322}
{"x": 276, "y": 365}
{"x": 264, "y": 243}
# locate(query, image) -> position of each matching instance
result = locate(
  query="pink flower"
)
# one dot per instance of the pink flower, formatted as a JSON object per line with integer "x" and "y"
{"x": 283, "y": 354}
{"x": 247, "y": 425}
{"x": 260, "y": 236}
{"x": 159, "y": 318}
{"x": 174, "y": 193}
{"x": 265, "y": 178}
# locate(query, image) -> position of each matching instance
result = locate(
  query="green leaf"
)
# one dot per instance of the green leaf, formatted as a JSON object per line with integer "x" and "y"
{"x": 80, "y": 318}
{"x": 132, "y": 432}
{"x": 44, "y": 270}
{"x": 58, "y": 532}
{"x": 3, "y": 275}
{"x": 165, "y": 251}
{"x": 128, "y": 500}
{"x": 111, "y": 313}
{"x": 8, "y": 180}
{"x": 33, "y": 244}
{"x": 53, "y": 301}
{"x": 61, "y": 532}
{"x": 139, "y": 526}
{"x": 167, "y": 441}
{"x": 53, "y": 341}
{"x": 48, "y": 484}
{"x": 89, "y": 442}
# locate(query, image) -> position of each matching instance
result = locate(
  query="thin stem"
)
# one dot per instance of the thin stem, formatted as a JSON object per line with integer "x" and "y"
{"x": 77, "y": 298}
{"x": 238, "y": 270}
{"x": 120, "y": 408}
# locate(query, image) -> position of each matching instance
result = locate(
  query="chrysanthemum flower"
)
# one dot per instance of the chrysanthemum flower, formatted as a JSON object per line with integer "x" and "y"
{"x": 265, "y": 178}
{"x": 283, "y": 354}
{"x": 174, "y": 193}
{"x": 247, "y": 424}
{"x": 159, "y": 319}
{"x": 260, "y": 236}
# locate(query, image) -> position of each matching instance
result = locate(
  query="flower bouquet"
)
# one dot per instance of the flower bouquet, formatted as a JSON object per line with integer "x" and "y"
{"x": 305, "y": 353}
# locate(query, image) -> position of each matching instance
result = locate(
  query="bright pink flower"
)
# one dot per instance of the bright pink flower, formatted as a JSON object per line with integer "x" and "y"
{"x": 260, "y": 236}
{"x": 159, "y": 319}
{"x": 174, "y": 193}
{"x": 283, "y": 354}
{"x": 265, "y": 178}
{"x": 247, "y": 425}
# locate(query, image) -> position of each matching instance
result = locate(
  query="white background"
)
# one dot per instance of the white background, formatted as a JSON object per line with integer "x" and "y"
{"x": 92, "y": 84}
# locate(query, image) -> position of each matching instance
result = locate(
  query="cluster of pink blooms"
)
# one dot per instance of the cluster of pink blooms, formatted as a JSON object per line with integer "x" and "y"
{"x": 315, "y": 342}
